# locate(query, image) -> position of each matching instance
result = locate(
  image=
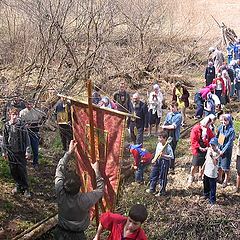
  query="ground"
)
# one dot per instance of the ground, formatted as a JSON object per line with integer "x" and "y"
{"x": 182, "y": 214}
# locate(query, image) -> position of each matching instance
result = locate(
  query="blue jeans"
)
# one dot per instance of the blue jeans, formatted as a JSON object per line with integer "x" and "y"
{"x": 238, "y": 94}
{"x": 34, "y": 140}
{"x": 174, "y": 146}
{"x": 210, "y": 187}
{"x": 199, "y": 102}
{"x": 159, "y": 174}
{"x": 139, "y": 172}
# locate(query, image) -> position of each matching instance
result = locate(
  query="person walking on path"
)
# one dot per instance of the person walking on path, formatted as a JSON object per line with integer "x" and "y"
{"x": 217, "y": 57}
{"x": 16, "y": 148}
{"x": 226, "y": 136}
{"x": 200, "y": 98}
{"x": 161, "y": 163}
{"x": 33, "y": 117}
{"x": 122, "y": 98}
{"x": 142, "y": 158}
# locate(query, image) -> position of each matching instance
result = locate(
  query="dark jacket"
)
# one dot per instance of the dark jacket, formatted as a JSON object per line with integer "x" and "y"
{"x": 61, "y": 108}
{"x": 140, "y": 111}
{"x": 231, "y": 74}
{"x": 122, "y": 100}
{"x": 209, "y": 75}
{"x": 12, "y": 104}
{"x": 15, "y": 138}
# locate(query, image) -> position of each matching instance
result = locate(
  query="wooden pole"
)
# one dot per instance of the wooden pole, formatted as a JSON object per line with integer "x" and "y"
{"x": 92, "y": 141}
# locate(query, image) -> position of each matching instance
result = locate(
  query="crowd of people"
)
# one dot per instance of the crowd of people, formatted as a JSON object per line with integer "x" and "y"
{"x": 211, "y": 146}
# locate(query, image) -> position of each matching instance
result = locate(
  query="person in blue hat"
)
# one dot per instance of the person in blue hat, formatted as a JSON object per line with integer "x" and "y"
{"x": 142, "y": 158}
{"x": 210, "y": 171}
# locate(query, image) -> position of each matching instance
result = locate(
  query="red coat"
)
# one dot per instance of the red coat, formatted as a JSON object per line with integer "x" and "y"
{"x": 224, "y": 89}
{"x": 115, "y": 224}
{"x": 195, "y": 137}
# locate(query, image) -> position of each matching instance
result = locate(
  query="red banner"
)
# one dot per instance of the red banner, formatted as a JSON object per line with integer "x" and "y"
{"x": 108, "y": 136}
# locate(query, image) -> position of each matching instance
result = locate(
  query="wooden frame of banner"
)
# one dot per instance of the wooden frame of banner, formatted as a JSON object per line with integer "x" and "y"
{"x": 96, "y": 106}
{"x": 92, "y": 141}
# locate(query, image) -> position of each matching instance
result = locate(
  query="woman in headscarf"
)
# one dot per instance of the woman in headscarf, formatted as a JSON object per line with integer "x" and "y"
{"x": 227, "y": 82}
{"x": 181, "y": 95}
{"x": 226, "y": 136}
{"x": 209, "y": 73}
{"x": 200, "y": 136}
{"x": 209, "y": 105}
{"x": 105, "y": 102}
{"x": 155, "y": 102}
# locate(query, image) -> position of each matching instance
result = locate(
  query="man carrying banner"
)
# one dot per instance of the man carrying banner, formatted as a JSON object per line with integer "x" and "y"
{"x": 73, "y": 206}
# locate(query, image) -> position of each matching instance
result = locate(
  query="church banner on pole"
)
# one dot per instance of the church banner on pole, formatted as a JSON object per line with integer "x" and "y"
{"x": 109, "y": 128}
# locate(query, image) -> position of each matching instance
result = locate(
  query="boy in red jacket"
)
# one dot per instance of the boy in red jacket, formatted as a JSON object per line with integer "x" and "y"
{"x": 124, "y": 227}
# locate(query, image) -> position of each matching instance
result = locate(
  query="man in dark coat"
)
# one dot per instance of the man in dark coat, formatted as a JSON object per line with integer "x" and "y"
{"x": 122, "y": 98}
{"x": 136, "y": 125}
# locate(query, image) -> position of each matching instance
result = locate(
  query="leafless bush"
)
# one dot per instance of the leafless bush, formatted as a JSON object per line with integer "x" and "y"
{"x": 60, "y": 43}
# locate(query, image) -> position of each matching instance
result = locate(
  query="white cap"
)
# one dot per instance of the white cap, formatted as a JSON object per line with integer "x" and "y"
{"x": 156, "y": 86}
{"x": 212, "y": 116}
{"x": 136, "y": 95}
{"x": 205, "y": 121}
{"x": 211, "y": 49}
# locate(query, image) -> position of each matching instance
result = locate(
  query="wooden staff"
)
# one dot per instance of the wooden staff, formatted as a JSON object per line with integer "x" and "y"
{"x": 164, "y": 147}
{"x": 92, "y": 141}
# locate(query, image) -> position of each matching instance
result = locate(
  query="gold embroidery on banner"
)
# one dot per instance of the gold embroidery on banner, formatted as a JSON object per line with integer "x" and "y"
{"x": 100, "y": 139}
{"x": 85, "y": 181}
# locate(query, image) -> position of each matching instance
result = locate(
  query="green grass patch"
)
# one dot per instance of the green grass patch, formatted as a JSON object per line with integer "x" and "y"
{"x": 8, "y": 206}
{"x": 33, "y": 180}
{"x": 237, "y": 127}
{"x": 57, "y": 144}
{"x": 23, "y": 225}
{"x": 150, "y": 143}
{"x": 4, "y": 169}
